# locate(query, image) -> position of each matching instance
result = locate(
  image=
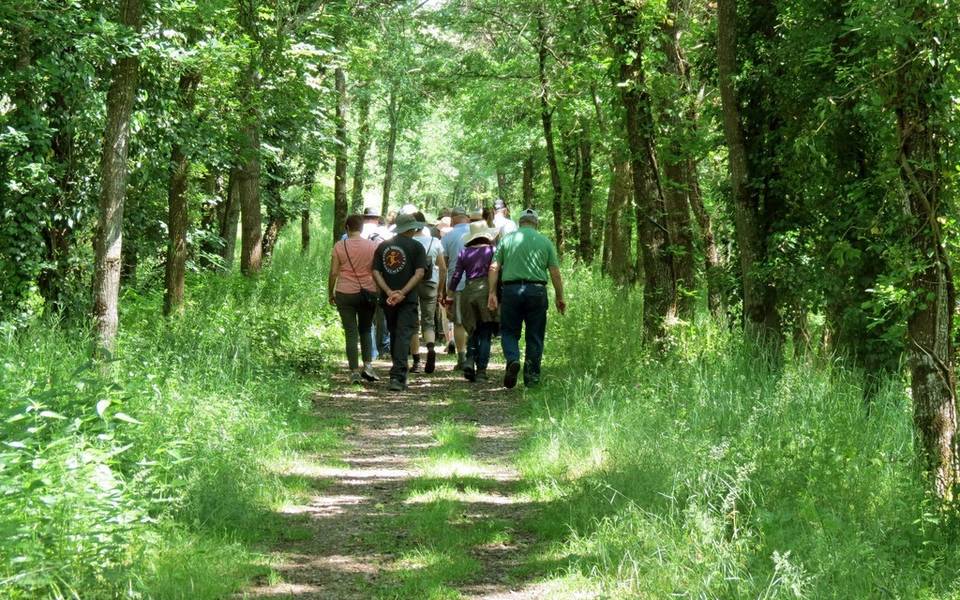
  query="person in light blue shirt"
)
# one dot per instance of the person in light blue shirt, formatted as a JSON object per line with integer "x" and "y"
{"x": 452, "y": 245}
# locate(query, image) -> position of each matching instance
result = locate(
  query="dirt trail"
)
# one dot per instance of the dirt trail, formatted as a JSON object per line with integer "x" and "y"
{"x": 342, "y": 553}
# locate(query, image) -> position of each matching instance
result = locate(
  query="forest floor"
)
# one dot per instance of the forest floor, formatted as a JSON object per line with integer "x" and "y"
{"x": 422, "y": 501}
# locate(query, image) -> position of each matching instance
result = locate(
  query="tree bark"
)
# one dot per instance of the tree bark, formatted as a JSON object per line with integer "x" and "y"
{"x": 308, "y": 180}
{"x": 528, "y": 196}
{"x": 680, "y": 169}
{"x": 617, "y": 247}
{"x": 251, "y": 226}
{"x": 759, "y": 314}
{"x": 546, "y": 117}
{"x": 394, "y": 118}
{"x": 502, "y": 191}
{"x": 571, "y": 147}
{"x": 711, "y": 254}
{"x": 586, "y": 193}
{"x": 659, "y": 291}
{"x": 113, "y": 186}
{"x": 930, "y": 327}
{"x": 231, "y": 216}
{"x": 363, "y": 145}
{"x": 177, "y": 200}
{"x": 340, "y": 168}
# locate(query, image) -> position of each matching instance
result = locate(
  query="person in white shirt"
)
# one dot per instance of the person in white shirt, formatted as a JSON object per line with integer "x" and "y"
{"x": 501, "y": 219}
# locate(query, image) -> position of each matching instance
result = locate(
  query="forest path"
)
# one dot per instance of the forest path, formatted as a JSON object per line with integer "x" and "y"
{"x": 423, "y": 502}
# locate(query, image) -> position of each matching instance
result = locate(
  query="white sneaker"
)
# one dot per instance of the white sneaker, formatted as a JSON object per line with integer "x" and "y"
{"x": 368, "y": 373}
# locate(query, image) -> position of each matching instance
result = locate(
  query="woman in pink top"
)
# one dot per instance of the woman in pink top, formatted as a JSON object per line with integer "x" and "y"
{"x": 351, "y": 288}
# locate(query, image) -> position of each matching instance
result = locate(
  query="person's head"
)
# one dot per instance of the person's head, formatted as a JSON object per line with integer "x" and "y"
{"x": 354, "y": 223}
{"x": 480, "y": 234}
{"x": 476, "y": 215}
{"x": 488, "y": 215}
{"x": 391, "y": 217}
{"x": 408, "y": 225}
{"x": 408, "y": 209}
{"x": 371, "y": 215}
{"x": 501, "y": 207}
{"x": 529, "y": 218}
{"x": 420, "y": 217}
{"x": 459, "y": 216}
{"x": 445, "y": 213}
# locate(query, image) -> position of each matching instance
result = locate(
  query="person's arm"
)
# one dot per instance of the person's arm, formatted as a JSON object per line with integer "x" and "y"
{"x": 378, "y": 279}
{"x": 458, "y": 272}
{"x": 493, "y": 279}
{"x": 442, "y": 284}
{"x": 558, "y": 288}
{"x": 332, "y": 278}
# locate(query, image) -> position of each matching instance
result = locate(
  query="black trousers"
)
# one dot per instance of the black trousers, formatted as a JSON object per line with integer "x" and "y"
{"x": 402, "y": 323}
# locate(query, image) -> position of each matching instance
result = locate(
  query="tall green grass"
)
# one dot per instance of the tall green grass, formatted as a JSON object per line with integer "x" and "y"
{"x": 148, "y": 478}
{"x": 711, "y": 473}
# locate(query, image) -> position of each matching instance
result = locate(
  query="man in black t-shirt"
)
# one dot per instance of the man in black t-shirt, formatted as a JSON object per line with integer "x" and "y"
{"x": 398, "y": 266}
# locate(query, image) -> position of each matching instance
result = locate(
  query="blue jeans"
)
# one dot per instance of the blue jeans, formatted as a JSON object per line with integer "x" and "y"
{"x": 478, "y": 345}
{"x": 524, "y": 304}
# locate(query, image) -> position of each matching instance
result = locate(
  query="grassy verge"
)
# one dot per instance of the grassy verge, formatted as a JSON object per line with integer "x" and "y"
{"x": 151, "y": 478}
{"x": 711, "y": 474}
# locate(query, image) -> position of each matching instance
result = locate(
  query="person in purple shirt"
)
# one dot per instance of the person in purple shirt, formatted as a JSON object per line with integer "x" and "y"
{"x": 473, "y": 263}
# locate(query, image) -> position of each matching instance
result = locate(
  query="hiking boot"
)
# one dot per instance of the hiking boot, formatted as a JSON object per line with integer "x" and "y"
{"x": 459, "y": 365}
{"x": 415, "y": 367}
{"x": 369, "y": 374}
{"x": 531, "y": 382}
{"x": 431, "y": 365}
{"x": 355, "y": 379}
{"x": 510, "y": 377}
{"x": 469, "y": 373}
{"x": 397, "y": 386}
{"x": 451, "y": 348}
{"x": 482, "y": 375}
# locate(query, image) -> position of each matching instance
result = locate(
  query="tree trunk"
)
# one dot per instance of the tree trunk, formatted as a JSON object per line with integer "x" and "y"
{"x": 546, "y": 117}
{"x": 58, "y": 232}
{"x": 617, "y": 247}
{"x": 711, "y": 254}
{"x": 251, "y": 226}
{"x": 340, "y": 169}
{"x": 276, "y": 216}
{"x": 659, "y": 292}
{"x": 681, "y": 178}
{"x": 586, "y": 194}
{"x": 308, "y": 179}
{"x": 571, "y": 146}
{"x": 231, "y": 216}
{"x": 502, "y": 185}
{"x": 759, "y": 314}
{"x": 363, "y": 144}
{"x": 528, "y": 198}
{"x": 929, "y": 329}
{"x": 113, "y": 186}
{"x": 177, "y": 200}
{"x": 394, "y": 118}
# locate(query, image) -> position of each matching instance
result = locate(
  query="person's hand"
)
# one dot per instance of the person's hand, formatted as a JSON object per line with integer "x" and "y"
{"x": 492, "y": 302}
{"x": 561, "y": 305}
{"x": 395, "y": 297}
{"x": 332, "y": 299}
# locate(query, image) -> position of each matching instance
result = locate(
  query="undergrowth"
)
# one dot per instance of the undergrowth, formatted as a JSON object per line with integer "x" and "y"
{"x": 147, "y": 477}
{"x": 708, "y": 472}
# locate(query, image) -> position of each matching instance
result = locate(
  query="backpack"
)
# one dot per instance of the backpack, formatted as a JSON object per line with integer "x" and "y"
{"x": 428, "y": 273}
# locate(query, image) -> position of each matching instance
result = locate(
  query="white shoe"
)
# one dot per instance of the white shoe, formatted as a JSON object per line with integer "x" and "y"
{"x": 368, "y": 373}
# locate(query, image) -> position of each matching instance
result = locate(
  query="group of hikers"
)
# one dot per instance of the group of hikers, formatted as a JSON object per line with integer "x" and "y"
{"x": 402, "y": 281}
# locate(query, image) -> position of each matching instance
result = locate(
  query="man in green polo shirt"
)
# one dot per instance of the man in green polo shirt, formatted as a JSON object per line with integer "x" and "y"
{"x": 522, "y": 260}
